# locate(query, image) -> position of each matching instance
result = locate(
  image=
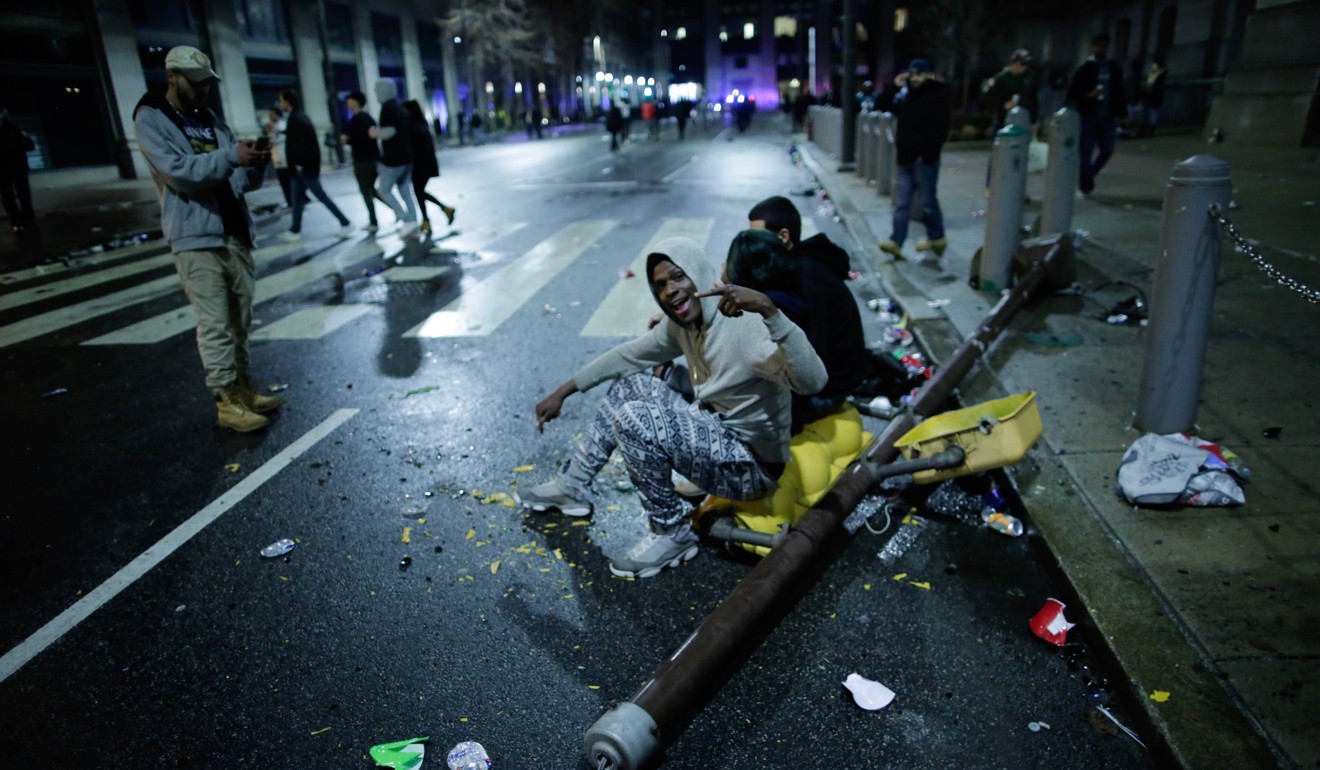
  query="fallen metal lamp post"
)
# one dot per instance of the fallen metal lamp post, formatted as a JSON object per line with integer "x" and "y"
{"x": 630, "y": 735}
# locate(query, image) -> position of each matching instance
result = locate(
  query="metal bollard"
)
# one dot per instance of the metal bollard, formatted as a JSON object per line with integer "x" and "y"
{"x": 1003, "y": 216}
{"x": 874, "y": 127}
{"x": 1061, "y": 172}
{"x": 884, "y": 171}
{"x": 859, "y": 143}
{"x": 1020, "y": 118}
{"x": 1183, "y": 296}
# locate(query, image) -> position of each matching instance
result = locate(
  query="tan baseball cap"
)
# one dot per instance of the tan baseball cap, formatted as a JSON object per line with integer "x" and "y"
{"x": 195, "y": 65}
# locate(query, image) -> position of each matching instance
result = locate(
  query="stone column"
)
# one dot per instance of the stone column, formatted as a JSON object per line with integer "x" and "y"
{"x": 124, "y": 80}
{"x": 305, "y": 28}
{"x": 368, "y": 65}
{"x": 412, "y": 64}
{"x": 229, "y": 60}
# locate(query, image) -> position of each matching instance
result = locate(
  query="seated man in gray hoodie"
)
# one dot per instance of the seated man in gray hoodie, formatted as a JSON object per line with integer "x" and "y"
{"x": 201, "y": 174}
{"x": 731, "y": 440}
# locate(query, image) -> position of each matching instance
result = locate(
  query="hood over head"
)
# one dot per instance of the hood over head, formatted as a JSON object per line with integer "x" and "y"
{"x": 386, "y": 90}
{"x": 686, "y": 254}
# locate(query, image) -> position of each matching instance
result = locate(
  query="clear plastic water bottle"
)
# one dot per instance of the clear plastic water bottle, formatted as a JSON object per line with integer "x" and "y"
{"x": 468, "y": 755}
{"x": 1001, "y": 522}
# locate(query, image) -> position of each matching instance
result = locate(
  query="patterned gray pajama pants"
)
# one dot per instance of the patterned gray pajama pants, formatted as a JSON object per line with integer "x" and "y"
{"x": 657, "y": 431}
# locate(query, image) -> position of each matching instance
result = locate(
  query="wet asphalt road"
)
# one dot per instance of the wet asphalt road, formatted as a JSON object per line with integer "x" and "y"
{"x": 488, "y": 624}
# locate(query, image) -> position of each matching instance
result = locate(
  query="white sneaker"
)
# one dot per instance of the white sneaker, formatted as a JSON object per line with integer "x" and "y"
{"x": 344, "y": 232}
{"x": 657, "y": 550}
{"x": 289, "y": 236}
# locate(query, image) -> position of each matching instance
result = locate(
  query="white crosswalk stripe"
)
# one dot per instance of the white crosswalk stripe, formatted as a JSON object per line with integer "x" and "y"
{"x": 483, "y": 306}
{"x": 311, "y": 323}
{"x": 629, "y": 304}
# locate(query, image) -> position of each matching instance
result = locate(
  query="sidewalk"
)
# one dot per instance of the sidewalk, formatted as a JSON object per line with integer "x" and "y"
{"x": 1212, "y": 605}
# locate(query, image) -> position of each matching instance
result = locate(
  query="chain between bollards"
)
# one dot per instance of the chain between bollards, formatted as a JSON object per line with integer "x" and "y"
{"x": 1266, "y": 267}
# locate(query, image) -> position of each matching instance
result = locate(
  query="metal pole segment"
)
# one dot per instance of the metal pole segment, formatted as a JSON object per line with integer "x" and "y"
{"x": 1183, "y": 296}
{"x": 1061, "y": 172}
{"x": 686, "y": 681}
{"x": 859, "y": 134}
{"x": 884, "y": 175}
{"x": 1003, "y": 217}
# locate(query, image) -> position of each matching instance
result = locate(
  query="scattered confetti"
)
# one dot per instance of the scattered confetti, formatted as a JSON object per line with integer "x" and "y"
{"x": 470, "y": 534}
{"x": 921, "y": 584}
{"x": 524, "y": 468}
{"x": 1159, "y": 696}
{"x": 322, "y": 730}
{"x": 407, "y": 535}
{"x": 900, "y": 576}
{"x": 233, "y": 467}
{"x": 495, "y": 566}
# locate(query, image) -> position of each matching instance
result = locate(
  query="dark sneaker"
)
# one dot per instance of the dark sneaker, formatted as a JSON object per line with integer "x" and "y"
{"x": 655, "y": 551}
{"x": 550, "y": 496}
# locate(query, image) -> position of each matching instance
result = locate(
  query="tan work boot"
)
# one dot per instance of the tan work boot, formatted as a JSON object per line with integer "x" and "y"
{"x": 938, "y": 245}
{"x": 891, "y": 248}
{"x": 254, "y": 400}
{"x": 234, "y": 412}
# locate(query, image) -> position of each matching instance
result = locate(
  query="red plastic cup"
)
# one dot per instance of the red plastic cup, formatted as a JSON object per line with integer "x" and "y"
{"x": 1050, "y": 624}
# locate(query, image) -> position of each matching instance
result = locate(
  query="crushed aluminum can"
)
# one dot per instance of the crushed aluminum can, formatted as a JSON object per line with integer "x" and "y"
{"x": 277, "y": 548}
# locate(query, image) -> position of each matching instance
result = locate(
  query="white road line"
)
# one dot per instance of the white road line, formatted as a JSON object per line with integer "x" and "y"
{"x": 629, "y": 304}
{"x": 71, "y": 315}
{"x": 311, "y": 323}
{"x": 672, "y": 174}
{"x": 125, "y": 577}
{"x": 183, "y": 319}
{"x": 57, "y": 268}
{"x": 480, "y": 310}
{"x": 80, "y": 282}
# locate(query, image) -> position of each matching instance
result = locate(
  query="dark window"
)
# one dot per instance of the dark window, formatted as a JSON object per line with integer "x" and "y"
{"x": 339, "y": 26}
{"x": 388, "y": 35}
{"x": 1164, "y": 35}
{"x": 428, "y": 43}
{"x": 171, "y": 15}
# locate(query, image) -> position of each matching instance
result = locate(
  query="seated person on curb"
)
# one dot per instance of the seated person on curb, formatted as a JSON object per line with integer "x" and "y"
{"x": 732, "y": 439}
{"x": 817, "y": 302}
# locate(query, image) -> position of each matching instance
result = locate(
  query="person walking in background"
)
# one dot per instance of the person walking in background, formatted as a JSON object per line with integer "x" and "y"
{"x": 396, "y": 157}
{"x": 614, "y": 124}
{"x": 425, "y": 166}
{"x": 366, "y": 155}
{"x": 683, "y": 111}
{"x": 1096, "y": 91}
{"x": 275, "y": 130}
{"x": 201, "y": 174}
{"x": 1016, "y": 85}
{"x": 1152, "y": 98}
{"x": 921, "y": 106}
{"x": 15, "y": 190}
{"x": 304, "y": 154}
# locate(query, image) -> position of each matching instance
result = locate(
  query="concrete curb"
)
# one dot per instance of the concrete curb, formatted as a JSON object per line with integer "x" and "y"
{"x": 1202, "y": 726}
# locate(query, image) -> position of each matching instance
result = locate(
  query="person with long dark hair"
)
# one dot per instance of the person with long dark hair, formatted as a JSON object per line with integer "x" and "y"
{"x": 425, "y": 166}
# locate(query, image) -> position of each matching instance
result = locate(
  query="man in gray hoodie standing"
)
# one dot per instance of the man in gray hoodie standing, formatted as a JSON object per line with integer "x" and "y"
{"x": 396, "y": 158}
{"x": 732, "y": 440}
{"x": 201, "y": 174}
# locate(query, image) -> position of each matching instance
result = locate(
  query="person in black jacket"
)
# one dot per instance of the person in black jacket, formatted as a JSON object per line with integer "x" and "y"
{"x": 15, "y": 191}
{"x": 922, "y": 109}
{"x": 366, "y": 155}
{"x": 1096, "y": 91}
{"x": 817, "y": 302}
{"x": 1152, "y": 98}
{"x": 425, "y": 166}
{"x": 304, "y": 157}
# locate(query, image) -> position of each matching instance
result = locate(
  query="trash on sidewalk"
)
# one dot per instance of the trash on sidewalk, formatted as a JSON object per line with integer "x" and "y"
{"x": 277, "y": 387}
{"x": 1129, "y": 312}
{"x": 401, "y": 755}
{"x": 1050, "y": 624}
{"x": 880, "y": 406}
{"x": 1274, "y": 432}
{"x": 405, "y": 563}
{"x": 868, "y": 694}
{"x": 416, "y": 392}
{"x": 232, "y": 467}
{"x": 277, "y": 548}
{"x": 55, "y": 392}
{"x": 1036, "y": 727}
{"x": 1176, "y": 468}
{"x": 1160, "y": 696}
{"x": 1120, "y": 725}
{"x": 468, "y": 755}
{"x": 1002, "y": 523}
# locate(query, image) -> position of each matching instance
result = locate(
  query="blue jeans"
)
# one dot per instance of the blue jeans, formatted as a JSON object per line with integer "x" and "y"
{"x": 299, "y": 186}
{"x": 925, "y": 176}
{"x": 1097, "y": 133}
{"x": 400, "y": 177}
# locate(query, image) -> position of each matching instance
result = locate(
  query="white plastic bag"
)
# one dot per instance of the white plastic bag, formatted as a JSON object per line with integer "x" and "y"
{"x": 1157, "y": 470}
{"x": 1038, "y": 153}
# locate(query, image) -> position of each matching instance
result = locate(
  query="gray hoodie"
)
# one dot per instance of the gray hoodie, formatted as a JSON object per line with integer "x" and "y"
{"x": 742, "y": 368}
{"x": 194, "y": 186}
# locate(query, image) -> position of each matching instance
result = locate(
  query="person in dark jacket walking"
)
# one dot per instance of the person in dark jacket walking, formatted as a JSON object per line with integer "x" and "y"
{"x": 425, "y": 166}
{"x": 15, "y": 191}
{"x": 1152, "y": 98}
{"x": 366, "y": 155}
{"x": 922, "y": 109}
{"x": 1096, "y": 91}
{"x": 304, "y": 157}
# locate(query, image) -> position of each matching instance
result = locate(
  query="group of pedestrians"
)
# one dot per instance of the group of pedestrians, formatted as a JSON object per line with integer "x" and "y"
{"x": 202, "y": 172}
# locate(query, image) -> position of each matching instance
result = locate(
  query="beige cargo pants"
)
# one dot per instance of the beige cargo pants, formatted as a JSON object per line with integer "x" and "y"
{"x": 220, "y": 283}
